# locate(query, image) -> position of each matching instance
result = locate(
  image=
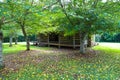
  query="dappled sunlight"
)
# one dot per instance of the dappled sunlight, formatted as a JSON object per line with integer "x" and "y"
{"x": 56, "y": 39}
{"x": 53, "y": 63}
{"x": 107, "y": 49}
{"x": 111, "y": 45}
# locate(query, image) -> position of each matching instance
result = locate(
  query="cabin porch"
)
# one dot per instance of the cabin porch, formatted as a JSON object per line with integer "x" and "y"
{"x": 59, "y": 40}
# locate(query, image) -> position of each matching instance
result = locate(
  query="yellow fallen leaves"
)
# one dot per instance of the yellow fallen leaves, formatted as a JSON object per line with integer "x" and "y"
{"x": 100, "y": 67}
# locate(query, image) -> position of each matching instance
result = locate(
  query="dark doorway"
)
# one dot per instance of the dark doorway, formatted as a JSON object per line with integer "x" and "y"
{"x": 53, "y": 37}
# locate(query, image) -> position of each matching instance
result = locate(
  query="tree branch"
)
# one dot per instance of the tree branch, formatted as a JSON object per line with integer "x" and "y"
{"x": 5, "y": 22}
{"x": 46, "y": 7}
{"x": 95, "y": 3}
{"x": 65, "y": 12}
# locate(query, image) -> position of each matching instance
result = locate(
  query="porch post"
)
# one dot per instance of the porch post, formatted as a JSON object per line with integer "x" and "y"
{"x": 38, "y": 39}
{"x": 73, "y": 41}
{"x": 59, "y": 41}
{"x": 48, "y": 41}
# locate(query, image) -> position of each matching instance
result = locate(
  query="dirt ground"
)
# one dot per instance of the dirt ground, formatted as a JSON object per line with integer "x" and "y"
{"x": 14, "y": 62}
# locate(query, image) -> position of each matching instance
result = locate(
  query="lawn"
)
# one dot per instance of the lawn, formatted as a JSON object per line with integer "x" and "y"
{"x": 18, "y": 48}
{"x": 43, "y": 63}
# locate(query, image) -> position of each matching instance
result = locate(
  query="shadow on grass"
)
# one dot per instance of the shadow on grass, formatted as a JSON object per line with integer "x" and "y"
{"x": 53, "y": 63}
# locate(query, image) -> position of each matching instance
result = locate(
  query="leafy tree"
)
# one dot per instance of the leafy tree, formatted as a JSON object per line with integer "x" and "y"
{"x": 89, "y": 17}
{"x": 20, "y": 12}
{"x": 12, "y": 31}
{"x": 27, "y": 15}
{"x": 24, "y": 13}
{"x": 4, "y": 19}
{"x": 108, "y": 37}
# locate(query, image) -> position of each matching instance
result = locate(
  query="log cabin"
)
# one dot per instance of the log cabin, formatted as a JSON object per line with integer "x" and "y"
{"x": 58, "y": 39}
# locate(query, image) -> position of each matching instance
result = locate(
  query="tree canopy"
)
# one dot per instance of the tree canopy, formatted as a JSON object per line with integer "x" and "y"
{"x": 89, "y": 17}
{"x": 69, "y": 16}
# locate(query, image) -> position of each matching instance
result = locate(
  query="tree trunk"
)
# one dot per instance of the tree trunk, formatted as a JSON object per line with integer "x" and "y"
{"x": 89, "y": 41}
{"x": 16, "y": 40}
{"x": 10, "y": 41}
{"x": 82, "y": 43}
{"x": 26, "y": 38}
{"x": 1, "y": 57}
{"x": 27, "y": 44}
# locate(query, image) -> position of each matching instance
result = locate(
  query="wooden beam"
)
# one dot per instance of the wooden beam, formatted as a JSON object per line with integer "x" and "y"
{"x": 39, "y": 39}
{"x": 73, "y": 41}
{"x": 48, "y": 40}
{"x": 59, "y": 41}
{"x": 57, "y": 44}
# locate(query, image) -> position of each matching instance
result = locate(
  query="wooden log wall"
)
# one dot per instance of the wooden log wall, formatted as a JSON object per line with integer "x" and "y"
{"x": 43, "y": 38}
{"x": 77, "y": 39}
{"x": 70, "y": 41}
{"x": 66, "y": 40}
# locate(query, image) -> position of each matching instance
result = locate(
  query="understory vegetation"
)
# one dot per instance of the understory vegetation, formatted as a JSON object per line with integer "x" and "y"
{"x": 100, "y": 63}
{"x": 107, "y": 37}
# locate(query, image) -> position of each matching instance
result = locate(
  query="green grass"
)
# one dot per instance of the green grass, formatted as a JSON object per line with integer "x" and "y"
{"x": 13, "y": 49}
{"x": 17, "y": 48}
{"x": 104, "y": 66}
{"x": 107, "y": 49}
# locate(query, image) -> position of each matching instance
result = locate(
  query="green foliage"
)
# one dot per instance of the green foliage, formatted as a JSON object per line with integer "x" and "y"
{"x": 5, "y": 16}
{"x": 89, "y": 16}
{"x": 84, "y": 16}
{"x": 23, "y": 12}
{"x": 107, "y": 37}
{"x": 33, "y": 15}
{"x": 11, "y": 29}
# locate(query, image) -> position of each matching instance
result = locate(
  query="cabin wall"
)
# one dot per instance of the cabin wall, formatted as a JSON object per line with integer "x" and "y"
{"x": 43, "y": 38}
{"x": 70, "y": 39}
{"x": 66, "y": 40}
{"x": 60, "y": 40}
{"x": 77, "y": 39}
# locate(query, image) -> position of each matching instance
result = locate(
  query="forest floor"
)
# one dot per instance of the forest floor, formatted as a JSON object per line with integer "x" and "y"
{"x": 42, "y": 63}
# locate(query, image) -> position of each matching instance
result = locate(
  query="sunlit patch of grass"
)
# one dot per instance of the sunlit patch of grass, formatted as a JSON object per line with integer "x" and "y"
{"x": 107, "y": 49}
{"x": 13, "y": 49}
{"x": 19, "y": 47}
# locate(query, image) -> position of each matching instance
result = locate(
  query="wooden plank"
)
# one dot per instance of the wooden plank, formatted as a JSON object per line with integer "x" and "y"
{"x": 57, "y": 44}
{"x": 77, "y": 38}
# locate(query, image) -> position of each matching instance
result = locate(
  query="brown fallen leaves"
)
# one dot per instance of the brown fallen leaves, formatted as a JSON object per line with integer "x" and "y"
{"x": 14, "y": 62}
